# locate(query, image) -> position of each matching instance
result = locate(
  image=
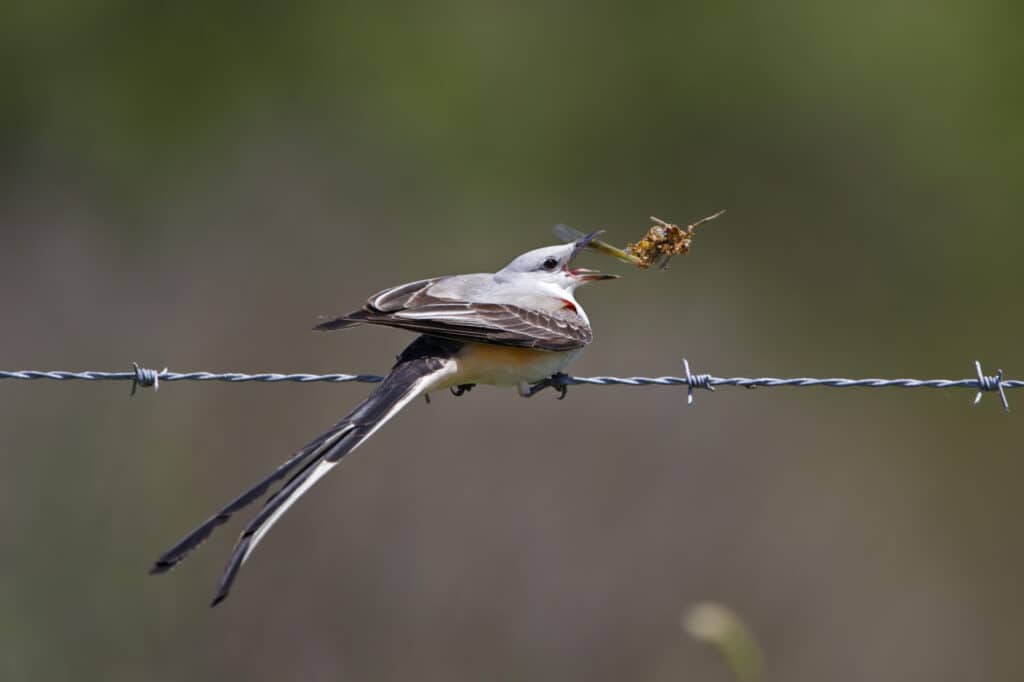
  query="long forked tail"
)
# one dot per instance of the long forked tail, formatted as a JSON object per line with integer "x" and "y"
{"x": 425, "y": 364}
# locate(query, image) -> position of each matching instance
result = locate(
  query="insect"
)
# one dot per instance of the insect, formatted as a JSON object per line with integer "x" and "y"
{"x": 662, "y": 241}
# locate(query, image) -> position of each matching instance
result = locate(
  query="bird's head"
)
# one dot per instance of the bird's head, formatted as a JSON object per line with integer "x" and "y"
{"x": 552, "y": 264}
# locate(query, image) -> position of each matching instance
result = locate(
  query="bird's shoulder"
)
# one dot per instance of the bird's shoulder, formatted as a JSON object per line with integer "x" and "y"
{"x": 431, "y": 290}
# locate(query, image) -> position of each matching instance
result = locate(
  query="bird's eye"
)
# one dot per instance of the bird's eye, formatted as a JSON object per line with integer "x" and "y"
{"x": 550, "y": 264}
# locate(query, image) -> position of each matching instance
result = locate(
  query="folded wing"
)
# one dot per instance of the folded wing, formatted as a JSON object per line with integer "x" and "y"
{"x": 411, "y": 306}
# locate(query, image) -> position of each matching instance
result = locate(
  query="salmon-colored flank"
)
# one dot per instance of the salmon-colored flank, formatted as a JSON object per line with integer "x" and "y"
{"x": 480, "y": 355}
{"x": 487, "y": 363}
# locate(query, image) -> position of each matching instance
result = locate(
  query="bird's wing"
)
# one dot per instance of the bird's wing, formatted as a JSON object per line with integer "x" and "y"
{"x": 413, "y": 306}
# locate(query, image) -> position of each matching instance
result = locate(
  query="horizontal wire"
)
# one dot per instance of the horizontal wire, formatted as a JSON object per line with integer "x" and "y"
{"x": 141, "y": 376}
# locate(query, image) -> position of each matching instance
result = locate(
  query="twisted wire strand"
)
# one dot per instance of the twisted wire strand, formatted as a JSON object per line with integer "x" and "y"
{"x": 146, "y": 377}
{"x": 151, "y": 377}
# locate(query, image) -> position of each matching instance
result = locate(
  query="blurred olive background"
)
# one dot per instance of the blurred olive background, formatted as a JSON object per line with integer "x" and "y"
{"x": 191, "y": 185}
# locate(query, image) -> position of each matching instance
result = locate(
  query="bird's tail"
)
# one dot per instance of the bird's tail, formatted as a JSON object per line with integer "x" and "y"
{"x": 425, "y": 364}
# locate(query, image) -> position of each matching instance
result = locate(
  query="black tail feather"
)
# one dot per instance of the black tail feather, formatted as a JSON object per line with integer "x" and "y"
{"x": 328, "y": 323}
{"x": 176, "y": 554}
{"x": 246, "y": 540}
{"x": 408, "y": 378}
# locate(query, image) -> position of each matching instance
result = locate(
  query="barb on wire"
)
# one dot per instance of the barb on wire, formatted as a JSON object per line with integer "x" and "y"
{"x": 145, "y": 377}
{"x": 993, "y": 383}
{"x": 695, "y": 381}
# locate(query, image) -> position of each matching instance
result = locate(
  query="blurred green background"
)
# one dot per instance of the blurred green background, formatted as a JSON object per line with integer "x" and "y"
{"x": 191, "y": 185}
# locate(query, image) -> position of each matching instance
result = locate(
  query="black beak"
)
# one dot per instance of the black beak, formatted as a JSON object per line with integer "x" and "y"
{"x": 587, "y": 275}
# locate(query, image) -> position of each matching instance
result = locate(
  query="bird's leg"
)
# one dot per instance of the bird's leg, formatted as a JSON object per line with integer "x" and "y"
{"x": 557, "y": 381}
{"x": 461, "y": 389}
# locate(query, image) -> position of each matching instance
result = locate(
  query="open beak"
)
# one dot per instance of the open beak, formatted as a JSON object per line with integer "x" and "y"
{"x": 588, "y": 275}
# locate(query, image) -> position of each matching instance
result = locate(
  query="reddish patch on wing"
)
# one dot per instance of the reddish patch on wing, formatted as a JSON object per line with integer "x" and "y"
{"x": 566, "y": 303}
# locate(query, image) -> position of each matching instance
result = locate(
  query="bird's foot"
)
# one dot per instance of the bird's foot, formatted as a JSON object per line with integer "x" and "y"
{"x": 461, "y": 389}
{"x": 557, "y": 381}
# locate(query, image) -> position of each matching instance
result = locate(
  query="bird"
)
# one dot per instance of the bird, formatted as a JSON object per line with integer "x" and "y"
{"x": 520, "y": 326}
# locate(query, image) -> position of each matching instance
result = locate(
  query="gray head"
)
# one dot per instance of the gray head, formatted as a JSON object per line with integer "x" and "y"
{"x": 551, "y": 264}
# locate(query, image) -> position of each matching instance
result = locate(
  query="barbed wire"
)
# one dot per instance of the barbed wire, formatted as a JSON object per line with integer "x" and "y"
{"x": 146, "y": 377}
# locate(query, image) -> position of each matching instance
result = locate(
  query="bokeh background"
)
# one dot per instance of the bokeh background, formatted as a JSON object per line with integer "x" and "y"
{"x": 191, "y": 185}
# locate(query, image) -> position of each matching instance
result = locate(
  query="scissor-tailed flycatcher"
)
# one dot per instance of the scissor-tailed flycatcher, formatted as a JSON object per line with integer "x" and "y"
{"x": 519, "y": 326}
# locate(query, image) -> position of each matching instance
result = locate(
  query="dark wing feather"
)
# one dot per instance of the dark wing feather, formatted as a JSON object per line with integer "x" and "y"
{"x": 501, "y": 324}
{"x": 393, "y": 299}
{"x": 411, "y": 295}
{"x": 411, "y": 307}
